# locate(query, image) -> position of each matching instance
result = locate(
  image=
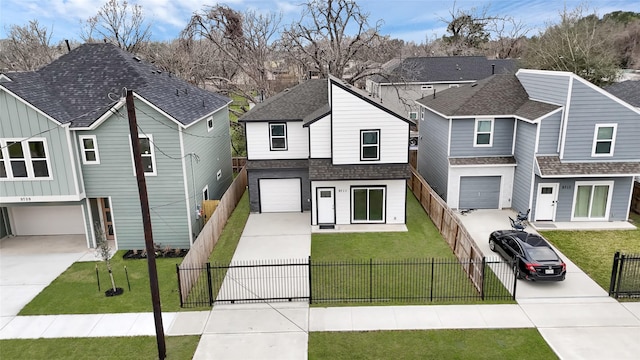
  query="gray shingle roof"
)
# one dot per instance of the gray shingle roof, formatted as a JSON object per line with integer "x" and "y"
{"x": 75, "y": 88}
{"x": 323, "y": 169}
{"x": 444, "y": 69}
{"x": 628, "y": 91}
{"x": 551, "y": 166}
{"x": 496, "y": 95}
{"x": 483, "y": 160}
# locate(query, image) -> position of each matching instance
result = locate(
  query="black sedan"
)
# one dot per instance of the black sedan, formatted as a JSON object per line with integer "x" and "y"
{"x": 533, "y": 257}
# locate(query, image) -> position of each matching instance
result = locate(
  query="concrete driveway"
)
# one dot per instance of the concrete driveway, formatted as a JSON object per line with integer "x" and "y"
{"x": 29, "y": 263}
{"x": 262, "y": 330}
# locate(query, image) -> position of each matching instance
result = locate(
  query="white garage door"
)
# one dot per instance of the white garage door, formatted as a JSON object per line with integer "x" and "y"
{"x": 280, "y": 195}
{"x": 47, "y": 220}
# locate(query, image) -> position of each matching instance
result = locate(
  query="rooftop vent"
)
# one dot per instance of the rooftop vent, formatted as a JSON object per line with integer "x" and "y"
{"x": 137, "y": 58}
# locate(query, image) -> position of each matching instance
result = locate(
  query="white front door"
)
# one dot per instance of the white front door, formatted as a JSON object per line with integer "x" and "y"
{"x": 326, "y": 206}
{"x": 546, "y": 203}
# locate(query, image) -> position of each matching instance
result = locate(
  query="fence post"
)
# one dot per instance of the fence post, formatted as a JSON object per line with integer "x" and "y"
{"x": 179, "y": 285}
{"x": 484, "y": 265}
{"x": 620, "y": 272}
{"x": 310, "y": 283}
{"x": 370, "y": 280}
{"x": 614, "y": 274}
{"x": 431, "y": 290}
{"x": 209, "y": 284}
{"x": 515, "y": 280}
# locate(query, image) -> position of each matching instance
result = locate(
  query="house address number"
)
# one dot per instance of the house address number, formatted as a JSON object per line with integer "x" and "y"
{"x": 25, "y": 198}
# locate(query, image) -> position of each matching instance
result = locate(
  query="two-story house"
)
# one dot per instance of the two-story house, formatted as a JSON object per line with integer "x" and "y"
{"x": 403, "y": 81}
{"x": 66, "y": 162}
{"x": 328, "y": 148}
{"x": 547, "y": 141}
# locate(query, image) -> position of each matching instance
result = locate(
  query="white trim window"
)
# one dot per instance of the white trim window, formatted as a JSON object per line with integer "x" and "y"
{"x": 604, "y": 139}
{"x": 89, "y": 149}
{"x": 369, "y": 145}
{"x": 148, "y": 155}
{"x": 426, "y": 87}
{"x": 454, "y": 86}
{"x": 483, "y": 133}
{"x": 413, "y": 115}
{"x": 592, "y": 200}
{"x": 24, "y": 159}
{"x": 210, "y": 124}
{"x": 278, "y": 136}
{"x": 368, "y": 204}
{"x": 205, "y": 193}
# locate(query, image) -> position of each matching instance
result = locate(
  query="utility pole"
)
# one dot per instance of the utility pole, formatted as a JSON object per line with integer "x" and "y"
{"x": 146, "y": 220}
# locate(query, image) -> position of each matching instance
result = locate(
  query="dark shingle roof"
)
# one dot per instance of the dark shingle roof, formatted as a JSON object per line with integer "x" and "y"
{"x": 551, "y": 166}
{"x": 445, "y": 69}
{"x": 75, "y": 88}
{"x": 483, "y": 160}
{"x": 303, "y": 102}
{"x": 496, "y": 95}
{"x": 628, "y": 91}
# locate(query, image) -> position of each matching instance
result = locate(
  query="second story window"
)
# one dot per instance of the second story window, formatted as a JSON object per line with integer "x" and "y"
{"x": 210, "y": 124}
{"x": 25, "y": 159}
{"x": 147, "y": 154}
{"x": 604, "y": 140}
{"x": 278, "y": 136}
{"x": 370, "y": 145}
{"x": 89, "y": 149}
{"x": 483, "y": 132}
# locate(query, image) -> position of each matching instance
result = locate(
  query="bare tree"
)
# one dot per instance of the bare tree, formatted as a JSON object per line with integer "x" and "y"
{"x": 119, "y": 23}
{"x": 319, "y": 40}
{"x": 467, "y": 30}
{"x": 508, "y": 38}
{"x": 27, "y": 48}
{"x": 579, "y": 44}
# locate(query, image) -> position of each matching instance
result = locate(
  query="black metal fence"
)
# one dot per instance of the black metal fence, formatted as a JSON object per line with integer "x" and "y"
{"x": 379, "y": 281}
{"x": 625, "y": 275}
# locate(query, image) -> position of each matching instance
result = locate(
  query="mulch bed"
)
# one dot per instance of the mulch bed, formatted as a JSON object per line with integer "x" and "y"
{"x": 164, "y": 253}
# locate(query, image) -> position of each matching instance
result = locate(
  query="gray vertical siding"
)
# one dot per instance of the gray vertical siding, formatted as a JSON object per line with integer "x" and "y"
{"x": 18, "y": 120}
{"x": 253, "y": 175}
{"x": 462, "y": 138}
{"x": 433, "y": 162}
{"x": 619, "y": 201}
{"x": 549, "y": 134}
{"x": 524, "y": 152}
{"x": 114, "y": 177}
{"x": 214, "y": 151}
{"x": 545, "y": 87}
{"x": 590, "y": 107}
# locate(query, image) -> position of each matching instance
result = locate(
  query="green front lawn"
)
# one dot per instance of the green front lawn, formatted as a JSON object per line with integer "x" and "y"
{"x": 593, "y": 251}
{"x": 430, "y": 344}
{"x": 116, "y": 348}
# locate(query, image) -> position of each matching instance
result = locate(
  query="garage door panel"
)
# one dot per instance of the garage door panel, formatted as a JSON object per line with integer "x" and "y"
{"x": 280, "y": 195}
{"x": 47, "y": 220}
{"x": 479, "y": 192}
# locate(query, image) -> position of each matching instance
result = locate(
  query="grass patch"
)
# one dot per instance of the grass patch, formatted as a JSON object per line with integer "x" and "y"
{"x": 393, "y": 268}
{"x": 593, "y": 251}
{"x": 430, "y": 344}
{"x": 230, "y": 237}
{"x": 137, "y": 347}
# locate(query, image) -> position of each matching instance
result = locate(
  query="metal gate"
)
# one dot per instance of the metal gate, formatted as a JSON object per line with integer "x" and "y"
{"x": 625, "y": 276}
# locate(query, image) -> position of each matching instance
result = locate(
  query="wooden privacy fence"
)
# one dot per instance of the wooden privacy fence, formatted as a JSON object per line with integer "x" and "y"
{"x": 208, "y": 237}
{"x": 237, "y": 163}
{"x": 450, "y": 227}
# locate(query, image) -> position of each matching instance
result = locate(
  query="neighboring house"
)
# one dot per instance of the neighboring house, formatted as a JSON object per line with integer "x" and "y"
{"x": 628, "y": 91}
{"x": 407, "y": 80}
{"x": 66, "y": 164}
{"x": 326, "y": 147}
{"x": 542, "y": 140}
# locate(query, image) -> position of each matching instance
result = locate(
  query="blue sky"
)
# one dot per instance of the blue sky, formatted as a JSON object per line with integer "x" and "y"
{"x": 411, "y": 20}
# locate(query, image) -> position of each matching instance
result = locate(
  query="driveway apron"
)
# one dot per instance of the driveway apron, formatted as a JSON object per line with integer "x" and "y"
{"x": 263, "y": 330}
{"x": 576, "y": 316}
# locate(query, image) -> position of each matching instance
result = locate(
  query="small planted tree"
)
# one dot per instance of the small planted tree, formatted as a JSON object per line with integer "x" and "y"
{"x": 103, "y": 250}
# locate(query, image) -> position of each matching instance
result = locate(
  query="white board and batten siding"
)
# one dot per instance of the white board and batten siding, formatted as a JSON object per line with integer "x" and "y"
{"x": 320, "y": 137}
{"x": 395, "y": 198}
{"x": 259, "y": 142}
{"x": 454, "y": 190}
{"x": 280, "y": 195}
{"x": 350, "y": 114}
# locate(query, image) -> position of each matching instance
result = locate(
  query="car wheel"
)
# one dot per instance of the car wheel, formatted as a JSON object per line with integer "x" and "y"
{"x": 492, "y": 245}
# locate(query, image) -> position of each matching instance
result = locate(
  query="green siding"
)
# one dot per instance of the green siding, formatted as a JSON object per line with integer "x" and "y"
{"x": 19, "y": 120}
{"x": 114, "y": 177}
{"x": 214, "y": 152}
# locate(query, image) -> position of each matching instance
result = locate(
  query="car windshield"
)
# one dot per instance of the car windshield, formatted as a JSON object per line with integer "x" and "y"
{"x": 542, "y": 254}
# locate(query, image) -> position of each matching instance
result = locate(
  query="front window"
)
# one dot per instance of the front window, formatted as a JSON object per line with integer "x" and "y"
{"x": 368, "y": 205}
{"x": 604, "y": 139}
{"x": 278, "y": 136}
{"x": 483, "y": 132}
{"x": 89, "y": 149}
{"x": 370, "y": 145}
{"x": 592, "y": 200}
{"x": 26, "y": 159}
{"x": 147, "y": 154}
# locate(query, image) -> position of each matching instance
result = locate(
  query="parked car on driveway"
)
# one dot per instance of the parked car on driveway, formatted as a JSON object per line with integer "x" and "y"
{"x": 532, "y": 256}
